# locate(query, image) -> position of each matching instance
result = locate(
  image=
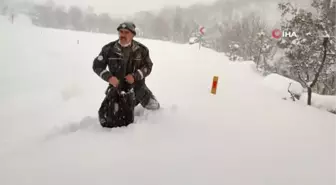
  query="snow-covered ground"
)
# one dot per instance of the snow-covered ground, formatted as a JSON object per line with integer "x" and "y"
{"x": 323, "y": 102}
{"x": 244, "y": 135}
{"x": 281, "y": 84}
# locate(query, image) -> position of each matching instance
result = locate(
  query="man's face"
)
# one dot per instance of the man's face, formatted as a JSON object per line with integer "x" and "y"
{"x": 125, "y": 36}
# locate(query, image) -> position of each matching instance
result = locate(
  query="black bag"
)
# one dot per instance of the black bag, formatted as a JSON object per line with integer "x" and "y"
{"x": 117, "y": 108}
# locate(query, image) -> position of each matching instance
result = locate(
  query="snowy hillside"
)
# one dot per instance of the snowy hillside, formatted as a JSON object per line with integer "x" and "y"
{"x": 244, "y": 135}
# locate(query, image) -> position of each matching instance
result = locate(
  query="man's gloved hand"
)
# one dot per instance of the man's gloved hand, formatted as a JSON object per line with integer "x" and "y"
{"x": 113, "y": 81}
{"x": 130, "y": 78}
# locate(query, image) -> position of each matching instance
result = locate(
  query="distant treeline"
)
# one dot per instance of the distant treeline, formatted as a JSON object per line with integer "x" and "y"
{"x": 74, "y": 18}
{"x": 171, "y": 23}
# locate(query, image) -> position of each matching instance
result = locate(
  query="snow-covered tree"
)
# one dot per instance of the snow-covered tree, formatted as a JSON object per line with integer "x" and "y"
{"x": 233, "y": 54}
{"x": 3, "y": 7}
{"x": 160, "y": 28}
{"x": 105, "y": 23}
{"x": 312, "y": 52}
{"x": 178, "y": 25}
{"x": 61, "y": 17}
{"x": 244, "y": 32}
{"x": 186, "y": 33}
{"x": 327, "y": 81}
{"x": 76, "y": 17}
{"x": 263, "y": 51}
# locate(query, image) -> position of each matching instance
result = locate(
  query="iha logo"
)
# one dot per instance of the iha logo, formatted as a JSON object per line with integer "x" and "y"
{"x": 278, "y": 34}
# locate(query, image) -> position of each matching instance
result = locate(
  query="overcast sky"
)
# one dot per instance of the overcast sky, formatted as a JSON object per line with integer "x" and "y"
{"x": 122, "y": 7}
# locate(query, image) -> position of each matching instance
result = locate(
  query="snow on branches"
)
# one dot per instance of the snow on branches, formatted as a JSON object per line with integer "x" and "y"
{"x": 312, "y": 52}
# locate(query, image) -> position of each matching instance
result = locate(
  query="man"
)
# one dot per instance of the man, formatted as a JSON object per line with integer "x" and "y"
{"x": 128, "y": 65}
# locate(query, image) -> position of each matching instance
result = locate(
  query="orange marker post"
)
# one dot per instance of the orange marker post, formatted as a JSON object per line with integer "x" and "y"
{"x": 214, "y": 85}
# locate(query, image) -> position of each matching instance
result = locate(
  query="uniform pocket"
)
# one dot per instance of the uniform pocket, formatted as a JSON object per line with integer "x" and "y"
{"x": 114, "y": 64}
{"x": 136, "y": 63}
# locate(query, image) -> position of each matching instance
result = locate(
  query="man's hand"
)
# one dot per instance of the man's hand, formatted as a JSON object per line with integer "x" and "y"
{"x": 130, "y": 78}
{"x": 114, "y": 81}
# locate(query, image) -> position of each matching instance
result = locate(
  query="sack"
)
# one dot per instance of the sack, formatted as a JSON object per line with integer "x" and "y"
{"x": 117, "y": 108}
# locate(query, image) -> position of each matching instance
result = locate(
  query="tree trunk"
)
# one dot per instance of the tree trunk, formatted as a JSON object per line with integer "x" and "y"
{"x": 317, "y": 75}
{"x": 260, "y": 50}
{"x": 309, "y": 95}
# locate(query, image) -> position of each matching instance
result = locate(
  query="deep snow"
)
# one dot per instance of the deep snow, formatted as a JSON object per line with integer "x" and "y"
{"x": 243, "y": 135}
{"x": 280, "y": 85}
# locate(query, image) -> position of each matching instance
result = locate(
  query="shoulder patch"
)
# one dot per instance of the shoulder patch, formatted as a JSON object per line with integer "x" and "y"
{"x": 100, "y": 58}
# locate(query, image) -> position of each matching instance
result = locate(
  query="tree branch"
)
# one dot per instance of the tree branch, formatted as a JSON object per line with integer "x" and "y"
{"x": 325, "y": 44}
{"x": 301, "y": 80}
{"x": 290, "y": 92}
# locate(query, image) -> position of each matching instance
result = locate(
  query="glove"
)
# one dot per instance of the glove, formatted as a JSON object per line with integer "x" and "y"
{"x": 138, "y": 75}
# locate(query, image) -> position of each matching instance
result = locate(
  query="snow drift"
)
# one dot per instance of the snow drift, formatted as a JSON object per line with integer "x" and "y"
{"x": 323, "y": 102}
{"x": 281, "y": 85}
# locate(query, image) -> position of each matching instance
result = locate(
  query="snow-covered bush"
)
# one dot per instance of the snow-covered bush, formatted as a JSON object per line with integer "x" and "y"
{"x": 233, "y": 54}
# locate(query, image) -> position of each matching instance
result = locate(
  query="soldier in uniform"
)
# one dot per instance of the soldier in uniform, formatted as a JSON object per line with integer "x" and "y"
{"x": 129, "y": 64}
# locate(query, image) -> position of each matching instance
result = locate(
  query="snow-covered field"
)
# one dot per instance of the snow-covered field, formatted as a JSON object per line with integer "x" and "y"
{"x": 244, "y": 135}
{"x": 280, "y": 85}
